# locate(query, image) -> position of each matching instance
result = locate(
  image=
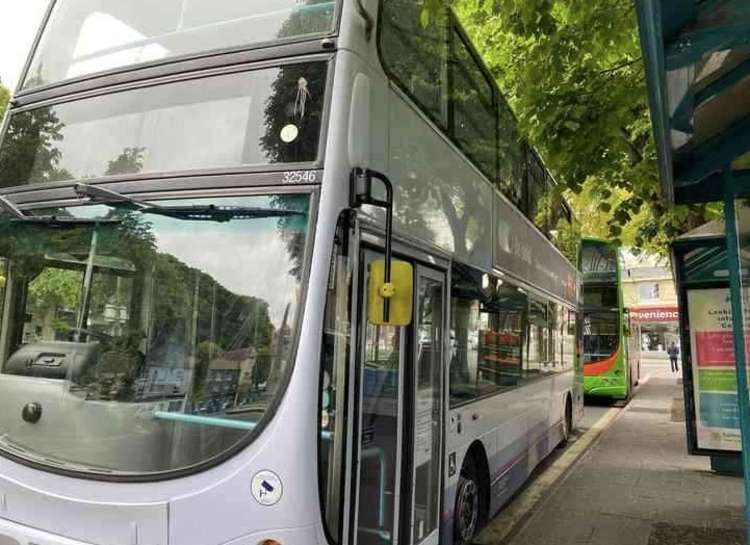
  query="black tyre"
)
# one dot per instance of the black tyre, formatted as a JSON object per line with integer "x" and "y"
{"x": 567, "y": 423}
{"x": 468, "y": 510}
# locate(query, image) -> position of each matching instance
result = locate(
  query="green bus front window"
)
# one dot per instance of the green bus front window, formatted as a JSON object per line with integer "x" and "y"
{"x": 85, "y": 37}
{"x": 601, "y": 336}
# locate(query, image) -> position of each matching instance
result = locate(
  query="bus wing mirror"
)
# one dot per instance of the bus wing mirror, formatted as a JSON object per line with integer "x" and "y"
{"x": 397, "y": 294}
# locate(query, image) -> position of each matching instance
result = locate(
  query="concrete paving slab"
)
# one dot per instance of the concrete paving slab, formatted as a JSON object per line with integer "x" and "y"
{"x": 668, "y": 534}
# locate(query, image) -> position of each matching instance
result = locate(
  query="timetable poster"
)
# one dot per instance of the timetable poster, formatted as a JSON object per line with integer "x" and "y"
{"x": 714, "y": 375}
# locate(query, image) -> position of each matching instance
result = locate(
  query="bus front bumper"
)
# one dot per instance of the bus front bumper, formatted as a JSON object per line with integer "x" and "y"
{"x": 604, "y": 387}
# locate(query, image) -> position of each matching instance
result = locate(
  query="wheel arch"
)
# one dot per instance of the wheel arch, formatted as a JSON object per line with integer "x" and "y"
{"x": 478, "y": 456}
{"x": 568, "y": 408}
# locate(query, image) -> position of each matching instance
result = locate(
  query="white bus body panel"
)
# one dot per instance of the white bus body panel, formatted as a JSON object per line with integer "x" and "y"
{"x": 517, "y": 430}
{"x": 212, "y": 507}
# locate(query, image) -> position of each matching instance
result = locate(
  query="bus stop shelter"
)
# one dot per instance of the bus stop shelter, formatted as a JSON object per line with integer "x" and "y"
{"x": 697, "y": 58}
{"x": 701, "y": 274}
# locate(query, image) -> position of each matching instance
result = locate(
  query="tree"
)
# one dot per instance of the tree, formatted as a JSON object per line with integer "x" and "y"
{"x": 29, "y": 149}
{"x": 52, "y": 290}
{"x": 130, "y": 161}
{"x": 574, "y": 76}
{"x": 296, "y": 100}
{"x": 4, "y": 99}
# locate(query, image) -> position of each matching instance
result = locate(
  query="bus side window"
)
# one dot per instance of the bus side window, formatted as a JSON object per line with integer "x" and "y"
{"x": 464, "y": 345}
{"x": 416, "y": 55}
{"x": 553, "y": 350}
{"x": 502, "y": 343}
{"x": 473, "y": 107}
{"x": 487, "y": 334}
{"x": 537, "y": 342}
{"x": 569, "y": 340}
{"x": 510, "y": 155}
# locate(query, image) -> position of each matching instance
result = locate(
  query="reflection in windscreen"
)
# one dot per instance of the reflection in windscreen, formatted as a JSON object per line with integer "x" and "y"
{"x": 152, "y": 344}
{"x": 598, "y": 259}
{"x": 88, "y": 36}
{"x": 601, "y": 334}
{"x": 228, "y": 121}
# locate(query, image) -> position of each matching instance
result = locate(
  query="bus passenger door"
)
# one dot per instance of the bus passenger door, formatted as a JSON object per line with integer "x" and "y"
{"x": 427, "y": 420}
{"x": 400, "y": 383}
{"x": 381, "y": 363}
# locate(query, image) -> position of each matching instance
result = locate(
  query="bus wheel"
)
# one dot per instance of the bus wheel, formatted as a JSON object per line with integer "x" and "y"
{"x": 567, "y": 423}
{"x": 468, "y": 507}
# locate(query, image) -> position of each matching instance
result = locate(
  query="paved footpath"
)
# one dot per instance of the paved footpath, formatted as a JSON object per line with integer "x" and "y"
{"x": 637, "y": 485}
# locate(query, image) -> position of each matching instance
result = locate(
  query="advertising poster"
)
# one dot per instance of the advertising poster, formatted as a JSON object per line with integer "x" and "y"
{"x": 714, "y": 376}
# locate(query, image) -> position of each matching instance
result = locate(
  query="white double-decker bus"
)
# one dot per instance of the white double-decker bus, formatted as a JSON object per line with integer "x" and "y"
{"x": 272, "y": 272}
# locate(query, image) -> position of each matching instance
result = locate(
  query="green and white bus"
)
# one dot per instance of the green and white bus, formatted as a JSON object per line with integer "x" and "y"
{"x": 611, "y": 365}
{"x": 273, "y": 272}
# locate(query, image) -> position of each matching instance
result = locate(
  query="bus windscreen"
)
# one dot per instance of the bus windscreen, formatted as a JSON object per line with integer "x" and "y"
{"x": 601, "y": 335}
{"x": 599, "y": 261}
{"x": 152, "y": 340}
{"x": 85, "y": 37}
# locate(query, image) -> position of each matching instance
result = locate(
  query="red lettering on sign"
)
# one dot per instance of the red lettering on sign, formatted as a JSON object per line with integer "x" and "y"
{"x": 655, "y": 314}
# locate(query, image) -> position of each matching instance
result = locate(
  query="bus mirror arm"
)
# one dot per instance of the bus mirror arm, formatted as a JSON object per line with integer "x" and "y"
{"x": 361, "y": 193}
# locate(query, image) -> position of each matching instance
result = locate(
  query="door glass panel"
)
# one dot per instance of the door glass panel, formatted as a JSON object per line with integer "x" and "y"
{"x": 428, "y": 403}
{"x": 380, "y": 434}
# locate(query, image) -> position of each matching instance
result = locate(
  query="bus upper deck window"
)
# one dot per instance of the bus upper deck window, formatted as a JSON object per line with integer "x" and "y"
{"x": 85, "y": 37}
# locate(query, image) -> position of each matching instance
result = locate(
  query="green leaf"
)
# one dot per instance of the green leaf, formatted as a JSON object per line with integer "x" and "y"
{"x": 425, "y": 17}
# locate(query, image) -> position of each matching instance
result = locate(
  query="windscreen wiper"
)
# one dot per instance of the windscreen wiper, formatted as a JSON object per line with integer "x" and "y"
{"x": 209, "y": 212}
{"x": 18, "y": 215}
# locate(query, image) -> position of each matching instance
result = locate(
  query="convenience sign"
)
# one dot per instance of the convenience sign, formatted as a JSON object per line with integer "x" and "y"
{"x": 655, "y": 314}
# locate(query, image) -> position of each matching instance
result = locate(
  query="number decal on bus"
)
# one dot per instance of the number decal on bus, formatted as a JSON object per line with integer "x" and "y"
{"x": 300, "y": 177}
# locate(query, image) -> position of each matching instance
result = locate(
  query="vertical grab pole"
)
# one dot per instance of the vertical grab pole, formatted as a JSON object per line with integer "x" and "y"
{"x": 738, "y": 330}
{"x": 388, "y": 242}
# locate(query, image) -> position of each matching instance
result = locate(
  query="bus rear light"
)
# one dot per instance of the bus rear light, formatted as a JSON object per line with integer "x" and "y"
{"x": 270, "y": 542}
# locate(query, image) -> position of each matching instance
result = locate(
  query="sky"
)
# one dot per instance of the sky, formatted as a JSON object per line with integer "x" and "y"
{"x": 19, "y": 22}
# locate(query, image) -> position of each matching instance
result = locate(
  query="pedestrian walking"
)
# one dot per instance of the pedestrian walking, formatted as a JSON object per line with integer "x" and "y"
{"x": 674, "y": 353}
